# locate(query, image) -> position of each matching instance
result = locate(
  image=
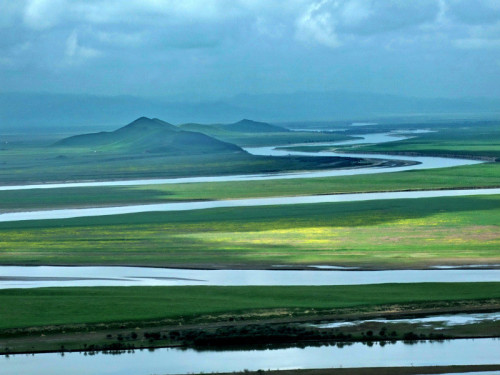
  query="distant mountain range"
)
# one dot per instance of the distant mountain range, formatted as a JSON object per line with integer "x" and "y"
{"x": 146, "y": 135}
{"x": 243, "y": 126}
{"x": 43, "y": 112}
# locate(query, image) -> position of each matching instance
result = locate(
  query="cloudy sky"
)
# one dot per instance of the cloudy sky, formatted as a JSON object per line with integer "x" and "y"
{"x": 219, "y": 48}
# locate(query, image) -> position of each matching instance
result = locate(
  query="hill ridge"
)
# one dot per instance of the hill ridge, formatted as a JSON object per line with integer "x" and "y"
{"x": 251, "y": 126}
{"x": 151, "y": 136}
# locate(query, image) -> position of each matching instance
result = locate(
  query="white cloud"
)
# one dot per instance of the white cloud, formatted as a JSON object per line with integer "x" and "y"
{"x": 355, "y": 12}
{"x": 75, "y": 53}
{"x": 146, "y": 11}
{"x": 442, "y": 15}
{"x": 317, "y": 25}
{"x": 43, "y": 14}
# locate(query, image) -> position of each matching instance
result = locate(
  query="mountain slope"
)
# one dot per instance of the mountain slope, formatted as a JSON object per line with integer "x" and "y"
{"x": 250, "y": 126}
{"x": 151, "y": 136}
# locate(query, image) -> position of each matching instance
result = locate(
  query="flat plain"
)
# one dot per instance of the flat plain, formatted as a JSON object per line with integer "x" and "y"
{"x": 408, "y": 233}
{"x": 382, "y": 234}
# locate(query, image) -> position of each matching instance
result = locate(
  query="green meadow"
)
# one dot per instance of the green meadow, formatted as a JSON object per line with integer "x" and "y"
{"x": 42, "y": 165}
{"x": 472, "y": 176}
{"x": 383, "y": 234}
{"x": 128, "y": 157}
{"x": 479, "y": 139}
{"x": 387, "y": 233}
{"x": 21, "y": 308}
{"x": 34, "y": 163}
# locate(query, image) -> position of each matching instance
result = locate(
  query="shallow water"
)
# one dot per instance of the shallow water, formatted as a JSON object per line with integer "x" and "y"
{"x": 48, "y": 276}
{"x": 424, "y": 163}
{"x": 442, "y": 320}
{"x": 178, "y": 361}
{"x": 250, "y": 202}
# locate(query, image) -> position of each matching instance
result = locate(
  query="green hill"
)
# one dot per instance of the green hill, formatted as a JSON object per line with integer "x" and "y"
{"x": 202, "y": 128}
{"x": 151, "y": 136}
{"x": 243, "y": 126}
{"x": 249, "y": 133}
{"x": 250, "y": 126}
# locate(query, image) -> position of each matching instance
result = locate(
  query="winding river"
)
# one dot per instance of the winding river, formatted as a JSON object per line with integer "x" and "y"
{"x": 178, "y": 361}
{"x": 414, "y": 163}
{"x": 417, "y": 162}
{"x": 250, "y": 202}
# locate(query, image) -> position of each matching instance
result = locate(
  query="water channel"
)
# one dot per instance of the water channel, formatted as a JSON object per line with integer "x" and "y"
{"x": 415, "y": 162}
{"x": 179, "y": 361}
{"x": 250, "y": 202}
{"x": 47, "y": 276}
{"x": 434, "y": 321}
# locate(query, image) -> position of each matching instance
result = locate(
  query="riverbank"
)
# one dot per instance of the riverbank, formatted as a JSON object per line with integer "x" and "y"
{"x": 24, "y": 206}
{"x": 413, "y": 370}
{"x": 55, "y": 319}
{"x": 189, "y": 361}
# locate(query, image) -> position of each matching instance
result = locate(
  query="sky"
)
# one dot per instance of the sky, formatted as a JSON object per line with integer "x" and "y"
{"x": 210, "y": 49}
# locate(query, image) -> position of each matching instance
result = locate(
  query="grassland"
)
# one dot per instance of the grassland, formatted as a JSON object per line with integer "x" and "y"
{"x": 404, "y": 233}
{"x": 41, "y": 161}
{"x": 23, "y": 308}
{"x": 33, "y": 163}
{"x": 246, "y": 134}
{"x": 31, "y": 166}
{"x": 470, "y": 140}
{"x": 472, "y": 176}
{"x": 377, "y": 234}
{"x": 77, "y": 312}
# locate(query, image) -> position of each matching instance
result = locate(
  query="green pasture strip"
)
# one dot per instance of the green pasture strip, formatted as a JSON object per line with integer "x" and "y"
{"x": 272, "y": 139}
{"x": 55, "y": 306}
{"x": 480, "y": 139}
{"x": 472, "y": 176}
{"x": 382, "y": 233}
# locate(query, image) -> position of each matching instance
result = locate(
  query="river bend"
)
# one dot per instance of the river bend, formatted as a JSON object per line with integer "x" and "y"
{"x": 415, "y": 162}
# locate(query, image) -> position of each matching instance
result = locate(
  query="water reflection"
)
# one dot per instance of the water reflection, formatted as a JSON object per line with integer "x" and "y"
{"x": 176, "y": 361}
